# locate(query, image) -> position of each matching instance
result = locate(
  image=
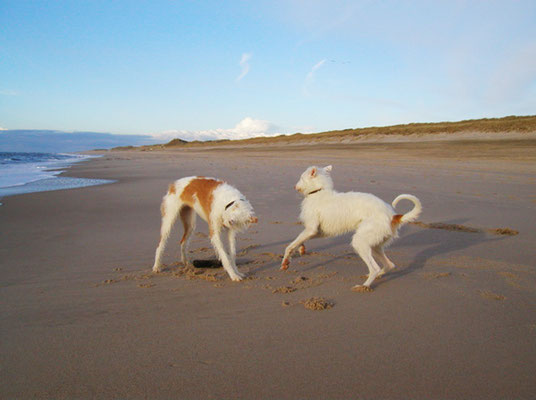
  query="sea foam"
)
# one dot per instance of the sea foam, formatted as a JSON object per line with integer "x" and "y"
{"x": 37, "y": 172}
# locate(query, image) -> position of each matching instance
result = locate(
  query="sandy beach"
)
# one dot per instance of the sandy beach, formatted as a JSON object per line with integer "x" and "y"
{"x": 83, "y": 316}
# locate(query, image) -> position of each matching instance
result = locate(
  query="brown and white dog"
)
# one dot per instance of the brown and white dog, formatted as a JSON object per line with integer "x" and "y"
{"x": 219, "y": 204}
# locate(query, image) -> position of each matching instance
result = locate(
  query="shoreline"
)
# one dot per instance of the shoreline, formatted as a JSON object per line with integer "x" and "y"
{"x": 83, "y": 316}
{"x": 52, "y": 178}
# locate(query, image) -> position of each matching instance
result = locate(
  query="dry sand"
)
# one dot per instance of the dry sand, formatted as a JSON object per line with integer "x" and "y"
{"x": 82, "y": 316}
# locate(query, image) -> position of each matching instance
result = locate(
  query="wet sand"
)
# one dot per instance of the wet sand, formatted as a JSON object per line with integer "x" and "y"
{"x": 82, "y": 316}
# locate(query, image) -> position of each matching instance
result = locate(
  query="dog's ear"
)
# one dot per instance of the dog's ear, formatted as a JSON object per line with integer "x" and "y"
{"x": 328, "y": 168}
{"x": 313, "y": 172}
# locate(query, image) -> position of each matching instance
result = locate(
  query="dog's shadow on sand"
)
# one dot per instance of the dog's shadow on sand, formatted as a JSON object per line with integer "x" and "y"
{"x": 436, "y": 242}
{"x": 433, "y": 241}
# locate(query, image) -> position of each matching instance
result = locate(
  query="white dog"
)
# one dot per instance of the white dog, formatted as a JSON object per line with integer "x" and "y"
{"x": 325, "y": 212}
{"x": 218, "y": 203}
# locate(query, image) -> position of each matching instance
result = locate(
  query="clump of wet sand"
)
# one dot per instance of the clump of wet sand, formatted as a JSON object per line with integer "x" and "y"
{"x": 284, "y": 289}
{"x": 317, "y": 304}
{"x": 504, "y": 231}
{"x": 489, "y": 295}
{"x": 194, "y": 273}
{"x": 362, "y": 289}
{"x": 464, "y": 228}
{"x": 436, "y": 275}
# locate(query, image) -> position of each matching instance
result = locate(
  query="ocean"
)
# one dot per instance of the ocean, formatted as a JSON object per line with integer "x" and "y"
{"x": 38, "y": 172}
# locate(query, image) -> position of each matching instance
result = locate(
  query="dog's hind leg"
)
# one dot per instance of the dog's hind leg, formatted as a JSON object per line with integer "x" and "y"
{"x": 170, "y": 210}
{"x": 188, "y": 222}
{"x": 387, "y": 264}
{"x": 363, "y": 248}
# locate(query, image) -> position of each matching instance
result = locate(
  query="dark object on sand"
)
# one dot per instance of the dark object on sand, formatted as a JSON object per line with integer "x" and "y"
{"x": 207, "y": 263}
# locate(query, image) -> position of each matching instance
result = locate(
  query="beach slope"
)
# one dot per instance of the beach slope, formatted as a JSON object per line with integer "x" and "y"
{"x": 83, "y": 316}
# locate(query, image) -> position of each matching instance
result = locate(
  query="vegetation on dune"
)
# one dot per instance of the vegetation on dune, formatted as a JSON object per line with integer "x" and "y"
{"x": 486, "y": 125}
{"x": 506, "y": 124}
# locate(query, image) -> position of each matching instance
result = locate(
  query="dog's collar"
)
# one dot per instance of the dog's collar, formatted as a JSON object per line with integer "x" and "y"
{"x": 230, "y": 204}
{"x": 314, "y": 191}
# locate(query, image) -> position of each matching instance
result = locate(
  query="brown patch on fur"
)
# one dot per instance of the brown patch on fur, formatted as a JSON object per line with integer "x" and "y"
{"x": 396, "y": 220}
{"x": 202, "y": 190}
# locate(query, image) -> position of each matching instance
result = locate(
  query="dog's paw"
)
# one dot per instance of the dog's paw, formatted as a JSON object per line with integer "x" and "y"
{"x": 157, "y": 269}
{"x": 362, "y": 289}
{"x": 236, "y": 278}
{"x": 302, "y": 250}
{"x": 285, "y": 264}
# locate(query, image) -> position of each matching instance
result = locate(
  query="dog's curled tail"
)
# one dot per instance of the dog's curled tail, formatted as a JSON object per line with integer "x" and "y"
{"x": 409, "y": 216}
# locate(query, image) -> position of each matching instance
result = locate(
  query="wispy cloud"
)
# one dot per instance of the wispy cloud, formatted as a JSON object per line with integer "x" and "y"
{"x": 8, "y": 93}
{"x": 247, "y": 128}
{"x": 309, "y": 79}
{"x": 244, "y": 64}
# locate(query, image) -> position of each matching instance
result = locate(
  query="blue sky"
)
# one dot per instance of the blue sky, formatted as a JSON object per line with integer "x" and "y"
{"x": 233, "y": 69}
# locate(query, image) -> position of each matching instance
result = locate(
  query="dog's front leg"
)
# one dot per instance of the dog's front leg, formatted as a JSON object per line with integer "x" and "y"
{"x": 228, "y": 263}
{"x": 308, "y": 233}
{"x": 231, "y": 235}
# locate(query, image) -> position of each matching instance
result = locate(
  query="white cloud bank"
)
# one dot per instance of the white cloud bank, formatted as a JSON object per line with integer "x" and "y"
{"x": 245, "y": 129}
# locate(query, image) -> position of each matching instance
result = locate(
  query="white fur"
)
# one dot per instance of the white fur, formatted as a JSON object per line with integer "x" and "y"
{"x": 326, "y": 212}
{"x": 237, "y": 217}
